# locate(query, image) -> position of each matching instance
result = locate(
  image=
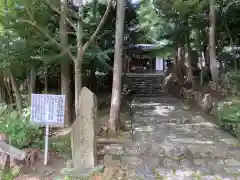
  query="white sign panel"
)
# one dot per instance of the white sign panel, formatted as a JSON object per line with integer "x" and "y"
{"x": 47, "y": 109}
{"x": 159, "y": 64}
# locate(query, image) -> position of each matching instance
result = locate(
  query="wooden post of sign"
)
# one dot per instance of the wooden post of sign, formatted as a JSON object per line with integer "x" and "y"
{"x": 46, "y": 145}
{"x": 4, "y": 158}
{"x": 47, "y": 125}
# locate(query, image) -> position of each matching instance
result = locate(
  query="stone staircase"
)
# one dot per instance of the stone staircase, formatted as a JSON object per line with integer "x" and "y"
{"x": 146, "y": 85}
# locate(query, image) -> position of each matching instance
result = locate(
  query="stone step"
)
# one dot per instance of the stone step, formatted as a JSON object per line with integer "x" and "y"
{"x": 146, "y": 86}
{"x": 148, "y": 90}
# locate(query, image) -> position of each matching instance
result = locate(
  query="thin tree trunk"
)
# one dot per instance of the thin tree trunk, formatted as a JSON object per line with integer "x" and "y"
{"x": 175, "y": 65}
{"x": 46, "y": 80}
{"x": 16, "y": 90}
{"x": 202, "y": 60}
{"x": 33, "y": 76}
{"x": 212, "y": 45}
{"x": 32, "y": 82}
{"x": 206, "y": 56}
{"x": 10, "y": 100}
{"x": 2, "y": 89}
{"x": 180, "y": 64}
{"x": 190, "y": 69}
{"x": 66, "y": 90}
{"x": 82, "y": 49}
{"x": 78, "y": 62}
{"x": 78, "y": 85}
{"x": 117, "y": 69}
{"x": 78, "y": 68}
{"x": 65, "y": 65}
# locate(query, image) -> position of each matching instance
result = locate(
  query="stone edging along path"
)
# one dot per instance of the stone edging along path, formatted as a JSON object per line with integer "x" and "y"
{"x": 173, "y": 143}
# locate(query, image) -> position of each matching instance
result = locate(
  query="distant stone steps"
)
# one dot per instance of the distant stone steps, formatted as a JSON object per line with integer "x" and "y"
{"x": 146, "y": 86}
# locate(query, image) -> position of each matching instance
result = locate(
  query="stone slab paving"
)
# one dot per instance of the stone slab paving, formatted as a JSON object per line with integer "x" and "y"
{"x": 175, "y": 144}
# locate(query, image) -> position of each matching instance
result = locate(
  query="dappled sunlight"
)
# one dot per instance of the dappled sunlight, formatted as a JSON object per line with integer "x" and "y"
{"x": 173, "y": 140}
{"x": 145, "y": 104}
{"x": 164, "y": 110}
{"x": 182, "y": 129}
{"x": 198, "y": 118}
{"x": 144, "y": 129}
{"x": 230, "y": 141}
{"x": 205, "y": 124}
{"x": 24, "y": 177}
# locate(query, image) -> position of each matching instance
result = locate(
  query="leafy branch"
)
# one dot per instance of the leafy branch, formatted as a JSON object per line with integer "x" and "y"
{"x": 33, "y": 22}
{"x": 55, "y": 9}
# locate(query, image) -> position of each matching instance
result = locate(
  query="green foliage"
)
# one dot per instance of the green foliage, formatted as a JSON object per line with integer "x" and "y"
{"x": 6, "y": 174}
{"x": 61, "y": 145}
{"x": 234, "y": 77}
{"x": 187, "y": 21}
{"x": 38, "y": 49}
{"x": 231, "y": 82}
{"x": 22, "y": 132}
{"x": 229, "y": 112}
{"x": 229, "y": 116}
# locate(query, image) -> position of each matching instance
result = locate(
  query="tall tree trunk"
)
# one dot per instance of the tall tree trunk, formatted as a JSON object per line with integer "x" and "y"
{"x": 189, "y": 60}
{"x": 206, "y": 56}
{"x": 79, "y": 60}
{"x": 33, "y": 76}
{"x": 65, "y": 65}
{"x": 190, "y": 69}
{"x": 45, "y": 80}
{"x": 181, "y": 64}
{"x": 7, "y": 85}
{"x": 78, "y": 84}
{"x": 2, "y": 89}
{"x": 78, "y": 68}
{"x": 117, "y": 69}
{"x": 16, "y": 90}
{"x": 32, "y": 82}
{"x": 212, "y": 45}
{"x": 202, "y": 72}
{"x": 174, "y": 70}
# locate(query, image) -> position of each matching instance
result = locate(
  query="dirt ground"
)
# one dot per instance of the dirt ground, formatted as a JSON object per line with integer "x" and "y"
{"x": 57, "y": 162}
{"x": 40, "y": 172}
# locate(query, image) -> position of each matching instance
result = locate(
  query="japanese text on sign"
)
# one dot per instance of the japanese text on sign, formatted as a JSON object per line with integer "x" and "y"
{"x": 47, "y": 108}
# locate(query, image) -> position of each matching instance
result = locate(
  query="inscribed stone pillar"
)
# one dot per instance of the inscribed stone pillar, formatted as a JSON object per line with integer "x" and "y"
{"x": 83, "y": 133}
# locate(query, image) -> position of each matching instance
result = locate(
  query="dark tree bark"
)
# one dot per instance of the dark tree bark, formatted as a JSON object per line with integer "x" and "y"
{"x": 212, "y": 44}
{"x": 32, "y": 82}
{"x": 2, "y": 89}
{"x": 16, "y": 90}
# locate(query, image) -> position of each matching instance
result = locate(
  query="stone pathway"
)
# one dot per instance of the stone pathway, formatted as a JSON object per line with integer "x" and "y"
{"x": 176, "y": 144}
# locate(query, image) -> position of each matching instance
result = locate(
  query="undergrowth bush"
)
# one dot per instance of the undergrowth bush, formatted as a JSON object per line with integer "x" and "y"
{"x": 234, "y": 77}
{"x": 60, "y": 145}
{"x": 229, "y": 116}
{"x": 22, "y": 132}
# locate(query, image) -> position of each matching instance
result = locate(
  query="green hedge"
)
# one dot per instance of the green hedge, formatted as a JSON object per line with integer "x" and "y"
{"x": 234, "y": 77}
{"x": 22, "y": 132}
{"x": 229, "y": 116}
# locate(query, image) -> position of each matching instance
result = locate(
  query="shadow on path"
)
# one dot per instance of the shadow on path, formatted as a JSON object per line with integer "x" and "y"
{"x": 173, "y": 143}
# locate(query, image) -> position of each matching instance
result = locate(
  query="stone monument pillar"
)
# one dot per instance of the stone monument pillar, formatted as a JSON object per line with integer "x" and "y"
{"x": 83, "y": 134}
